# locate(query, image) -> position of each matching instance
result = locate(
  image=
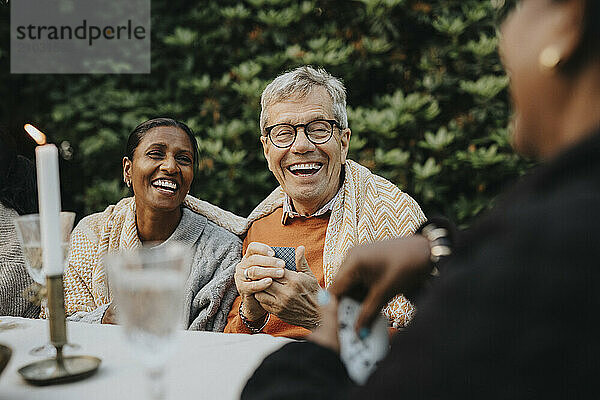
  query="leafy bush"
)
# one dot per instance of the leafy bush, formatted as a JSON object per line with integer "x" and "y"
{"x": 427, "y": 97}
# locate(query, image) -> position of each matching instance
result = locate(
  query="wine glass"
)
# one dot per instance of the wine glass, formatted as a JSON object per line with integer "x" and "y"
{"x": 28, "y": 232}
{"x": 148, "y": 289}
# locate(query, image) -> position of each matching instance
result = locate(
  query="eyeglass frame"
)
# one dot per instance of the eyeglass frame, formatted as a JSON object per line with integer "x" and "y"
{"x": 332, "y": 122}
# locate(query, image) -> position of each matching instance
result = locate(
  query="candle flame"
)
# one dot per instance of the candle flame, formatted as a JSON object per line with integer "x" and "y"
{"x": 35, "y": 133}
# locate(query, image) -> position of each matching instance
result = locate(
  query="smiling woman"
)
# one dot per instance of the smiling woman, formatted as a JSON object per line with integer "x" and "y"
{"x": 159, "y": 167}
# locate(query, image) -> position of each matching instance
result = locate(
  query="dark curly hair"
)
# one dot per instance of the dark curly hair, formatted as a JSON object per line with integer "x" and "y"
{"x": 18, "y": 188}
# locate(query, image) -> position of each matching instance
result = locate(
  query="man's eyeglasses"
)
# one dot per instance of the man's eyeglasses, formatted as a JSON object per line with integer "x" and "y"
{"x": 318, "y": 131}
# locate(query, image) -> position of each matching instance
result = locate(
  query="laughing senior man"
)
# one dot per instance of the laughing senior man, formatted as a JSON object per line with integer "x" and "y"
{"x": 325, "y": 205}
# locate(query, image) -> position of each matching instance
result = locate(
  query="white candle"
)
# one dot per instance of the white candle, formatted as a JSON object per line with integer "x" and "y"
{"x": 48, "y": 182}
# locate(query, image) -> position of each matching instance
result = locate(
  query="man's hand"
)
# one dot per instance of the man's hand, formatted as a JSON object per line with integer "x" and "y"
{"x": 260, "y": 269}
{"x": 293, "y": 297}
{"x": 385, "y": 268}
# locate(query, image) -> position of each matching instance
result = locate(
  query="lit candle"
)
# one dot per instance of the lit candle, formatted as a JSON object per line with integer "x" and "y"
{"x": 46, "y": 159}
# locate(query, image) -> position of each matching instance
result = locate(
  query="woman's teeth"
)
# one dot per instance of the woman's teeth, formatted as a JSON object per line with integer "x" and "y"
{"x": 164, "y": 184}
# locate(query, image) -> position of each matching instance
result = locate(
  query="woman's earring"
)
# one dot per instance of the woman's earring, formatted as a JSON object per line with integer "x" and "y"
{"x": 549, "y": 58}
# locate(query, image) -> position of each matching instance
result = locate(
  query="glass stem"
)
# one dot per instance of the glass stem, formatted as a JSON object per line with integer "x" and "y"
{"x": 156, "y": 383}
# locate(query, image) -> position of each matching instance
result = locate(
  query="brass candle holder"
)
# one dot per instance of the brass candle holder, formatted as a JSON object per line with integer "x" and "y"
{"x": 59, "y": 369}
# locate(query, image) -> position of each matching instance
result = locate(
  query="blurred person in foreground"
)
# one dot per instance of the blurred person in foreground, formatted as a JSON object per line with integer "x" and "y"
{"x": 159, "y": 167}
{"x": 514, "y": 312}
{"x": 325, "y": 205}
{"x": 18, "y": 196}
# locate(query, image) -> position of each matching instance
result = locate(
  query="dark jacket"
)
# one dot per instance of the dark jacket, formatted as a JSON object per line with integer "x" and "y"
{"x": 514, "y": 314}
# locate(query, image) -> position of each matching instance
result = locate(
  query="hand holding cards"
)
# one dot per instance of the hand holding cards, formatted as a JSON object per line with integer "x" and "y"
{"x": 360, "y": 356}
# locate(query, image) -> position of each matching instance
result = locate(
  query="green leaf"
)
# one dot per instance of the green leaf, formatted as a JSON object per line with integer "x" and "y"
{"x": 236, "y": 12}
{"x": 426, "y": 170}
{"x": 486, "y": 87}
{"x": 394, "y": 157}
{"x": 439, "y": 141}
{"x": 181, "y": 37}
{"x": 450, "y": 26}
{"x": 484, "y": 47}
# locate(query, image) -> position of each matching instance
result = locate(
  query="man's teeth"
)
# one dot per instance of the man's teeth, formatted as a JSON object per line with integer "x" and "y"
{"x": 165, "y": 184}
{"x": 307, "y": 168}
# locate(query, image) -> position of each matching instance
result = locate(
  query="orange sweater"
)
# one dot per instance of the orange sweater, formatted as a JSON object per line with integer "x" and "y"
{"x": 299, "y": 231}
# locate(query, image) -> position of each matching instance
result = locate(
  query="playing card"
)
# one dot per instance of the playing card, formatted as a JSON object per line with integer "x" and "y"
{"x": 360, "y": 356}
{"x": 287, "y": 254}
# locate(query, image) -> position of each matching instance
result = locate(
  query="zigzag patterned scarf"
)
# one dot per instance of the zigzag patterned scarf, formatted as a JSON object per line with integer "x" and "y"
{"x": 369, "y": 209}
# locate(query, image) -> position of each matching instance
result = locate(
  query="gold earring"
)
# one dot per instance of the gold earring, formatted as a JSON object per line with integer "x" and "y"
{"x": 549, "y": 58}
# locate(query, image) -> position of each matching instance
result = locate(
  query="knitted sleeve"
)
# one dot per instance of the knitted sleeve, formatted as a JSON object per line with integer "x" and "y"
{"x": 213, "y": 288}
{"x": 14, "y": 278}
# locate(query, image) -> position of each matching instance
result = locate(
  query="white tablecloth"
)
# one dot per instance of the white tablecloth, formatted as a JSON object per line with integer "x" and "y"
{"x": 204, "y": 365}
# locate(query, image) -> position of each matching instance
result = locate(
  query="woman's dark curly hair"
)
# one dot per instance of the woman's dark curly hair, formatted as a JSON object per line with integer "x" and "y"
{"x": 18, "y": 188}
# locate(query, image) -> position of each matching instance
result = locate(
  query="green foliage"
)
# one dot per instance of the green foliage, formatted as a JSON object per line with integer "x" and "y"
{"x": 427, "y": 98}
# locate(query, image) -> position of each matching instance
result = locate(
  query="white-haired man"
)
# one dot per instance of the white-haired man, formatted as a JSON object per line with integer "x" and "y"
{"x": 325, "y": 205}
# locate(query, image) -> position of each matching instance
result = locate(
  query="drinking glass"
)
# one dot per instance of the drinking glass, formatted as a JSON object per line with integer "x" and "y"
{"x": 28, "y": 232}
{"x": 147, "y": 285}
